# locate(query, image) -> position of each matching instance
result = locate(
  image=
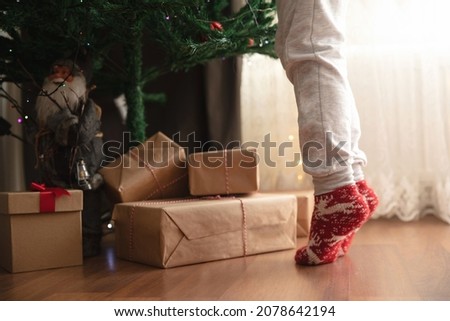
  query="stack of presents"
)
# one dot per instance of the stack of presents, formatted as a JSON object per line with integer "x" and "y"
{"x": 170, "y": 210}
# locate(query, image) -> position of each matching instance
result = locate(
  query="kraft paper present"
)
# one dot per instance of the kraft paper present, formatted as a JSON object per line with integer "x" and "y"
{"x": 225, "y": 172}
{"x": 305, "y": 208}
{"x": 154, "y": 169}
{"x": 31, "y": 240}
{"x": 170, "y": 233}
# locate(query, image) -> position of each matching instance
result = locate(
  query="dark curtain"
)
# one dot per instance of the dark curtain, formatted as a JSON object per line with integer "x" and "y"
{"x": 222, "y": 92}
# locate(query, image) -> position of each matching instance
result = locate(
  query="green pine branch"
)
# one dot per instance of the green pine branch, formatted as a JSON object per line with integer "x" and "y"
{"x": 189, "y": 33}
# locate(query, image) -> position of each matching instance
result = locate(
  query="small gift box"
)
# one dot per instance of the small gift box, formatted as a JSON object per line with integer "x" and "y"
{"x": 153, "y": 169}
{"x": 40, "y": 230}
{"x": 225, "y": 172}
{"x": 169, "y": 233}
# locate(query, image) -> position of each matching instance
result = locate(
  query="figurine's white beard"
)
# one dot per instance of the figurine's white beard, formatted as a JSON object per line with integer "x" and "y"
{"x": 68, "y": 95}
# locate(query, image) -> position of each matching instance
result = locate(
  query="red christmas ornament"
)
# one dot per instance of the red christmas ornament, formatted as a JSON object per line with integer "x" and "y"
{"x": 215, "y": 25}
{"x": 251, "y": 42}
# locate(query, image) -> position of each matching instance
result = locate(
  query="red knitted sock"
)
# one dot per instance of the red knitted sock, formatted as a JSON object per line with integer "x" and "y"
{"x": 372, "y": 202}
{"x": 336, "y": 215}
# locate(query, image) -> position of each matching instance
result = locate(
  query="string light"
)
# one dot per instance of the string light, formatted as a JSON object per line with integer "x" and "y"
{"x": 20, "y": 120}
{"x": 213, "y": 47}
{"x": 110, "y": 225}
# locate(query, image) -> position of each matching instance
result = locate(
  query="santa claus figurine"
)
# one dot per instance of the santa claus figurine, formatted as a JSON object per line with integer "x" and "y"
{"x": 69, "y": 143}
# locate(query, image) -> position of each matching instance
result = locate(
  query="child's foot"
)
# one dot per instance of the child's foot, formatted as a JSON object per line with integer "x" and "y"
{"x": 336, "y": 215}
{"x": 372, "y": 202}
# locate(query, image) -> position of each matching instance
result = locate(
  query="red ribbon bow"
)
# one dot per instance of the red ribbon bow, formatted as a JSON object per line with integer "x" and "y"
{"x": 48, "y": 196}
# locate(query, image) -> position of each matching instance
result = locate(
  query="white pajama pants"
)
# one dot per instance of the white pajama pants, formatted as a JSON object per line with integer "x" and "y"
{"x": 310, "y": 45}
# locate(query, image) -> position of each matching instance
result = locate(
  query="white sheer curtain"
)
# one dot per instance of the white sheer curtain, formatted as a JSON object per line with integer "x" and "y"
{"x": 399, "y": 69}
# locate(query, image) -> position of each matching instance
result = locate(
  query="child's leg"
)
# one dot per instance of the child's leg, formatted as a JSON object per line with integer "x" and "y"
{"x": 310, "y": 44}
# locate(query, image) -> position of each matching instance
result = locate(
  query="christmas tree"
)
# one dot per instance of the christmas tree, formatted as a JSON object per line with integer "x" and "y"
{"x": 188, "y": 32}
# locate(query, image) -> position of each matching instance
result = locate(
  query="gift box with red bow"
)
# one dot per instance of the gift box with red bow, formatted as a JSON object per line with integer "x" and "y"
{"x": 40, "y": 229}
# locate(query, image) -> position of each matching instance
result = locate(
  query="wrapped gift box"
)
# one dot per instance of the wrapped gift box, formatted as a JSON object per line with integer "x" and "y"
{"x": 305, "y": 208}
{"x": 177, "y": 232}
{"x": 154, "y": 169}
{"x": 34, "y": 240}
{"x": 225, "y": 172}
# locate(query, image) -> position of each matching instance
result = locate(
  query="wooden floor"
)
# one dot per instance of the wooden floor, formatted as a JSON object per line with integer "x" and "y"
{"x": 389, "y": 260}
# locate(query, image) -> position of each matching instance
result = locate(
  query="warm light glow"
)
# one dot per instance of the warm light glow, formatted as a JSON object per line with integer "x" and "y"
{"x": 412, "y": 22}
